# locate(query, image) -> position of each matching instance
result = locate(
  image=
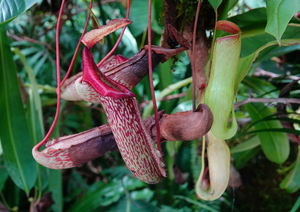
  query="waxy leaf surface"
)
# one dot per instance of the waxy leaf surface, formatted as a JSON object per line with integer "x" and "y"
{"x": 15, "y": 137}
{"x": 292, "y": 181}
{"x": 275, "y": 145}
{"x": 9, "y": 9}
{"x": 215, "y": 3}
{"x": 279, "y": 13}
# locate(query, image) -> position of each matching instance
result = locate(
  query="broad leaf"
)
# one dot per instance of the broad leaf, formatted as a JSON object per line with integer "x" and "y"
{"x": 3, "y": 177}
{"x": 15, "y": 137}
{"x": 165, "y": 79}
{"x": 215, "y": 3}
{"x": 252, "y": 22}
{"x": 139, "y": 17}
{"x": 292, "y": 181}
{"x": 279, "y": 13}
{"x": 246, "y": 145}
{"x": 240, "y": 159}
{"x": 55, "y": 186}
{"x": 55, "y": 176}
{"x": 98, "y": 194}
{"x": 296, "y": 205}
{"x": 261, "y": 87}
{"x": 9, "y": 9}
{"x": 246, "y": 62}
{"x": 275, "y": 145}
{"x": 168, "y": 90}
{"x": 35, "y": 120}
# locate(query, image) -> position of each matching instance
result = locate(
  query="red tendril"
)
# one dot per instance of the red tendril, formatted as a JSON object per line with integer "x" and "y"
{"x": 194, "y": 55}
{"x": 58, "y": 71}
{"x": 151, "y": 78}
{"x": 78, "y": 45}
{"x": 119, "y": 39}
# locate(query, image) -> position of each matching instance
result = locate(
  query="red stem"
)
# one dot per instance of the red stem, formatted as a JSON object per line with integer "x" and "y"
{"x": 78, "y": 45}
{"x": 151, "y": 78}
{"x": 194, "y": 56}
{"x": 119, "y": 39}
{"x": 36, "y": 148}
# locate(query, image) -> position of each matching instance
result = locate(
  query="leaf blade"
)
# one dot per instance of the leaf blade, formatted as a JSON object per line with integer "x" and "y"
{"x": 275, "y": 145}
{"x": 215, "y": 3}
{"x": 9, "y": 9}
{"x": 279, "y": 13}
{"x": 291, "y": 182}
{"x": 16, "y": 141}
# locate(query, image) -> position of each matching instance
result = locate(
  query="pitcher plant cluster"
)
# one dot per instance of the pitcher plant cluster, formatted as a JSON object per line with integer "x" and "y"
{"x": 109, "y": 83}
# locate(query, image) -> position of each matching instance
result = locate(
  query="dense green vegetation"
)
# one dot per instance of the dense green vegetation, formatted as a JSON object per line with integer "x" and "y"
{"x": 265, "y": 174}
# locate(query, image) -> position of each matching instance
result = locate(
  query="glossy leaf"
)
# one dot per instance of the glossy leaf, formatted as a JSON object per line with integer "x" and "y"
{"x": 296, "y": 205}
{"x": 246, "y": 62}
{"x": 168, "y": 90}
{"x": 246, "y": 145}
{"x": 145, "y": 193}
{"x": 55, "y": 186}
{"x": 279, "y": 13}
{"x": 275, "y": 145}
{"x": 197, "y": 203}
{"x": 35, "y": 119}
{"x": 139, "y": 17}
{"x": 240, "y": 159}
{"x": 3, "y": 177}
{"x": 261, "y": 87}
{"x": 98, "y": 194}
{"x": 165, "y": 79}
{"x": 132, "y": 206}
{"x": 55, "y": 176}
{"x": 227, "y": 7}
{"x": 9, "y": 9}
{"x": 252, "y": 22}
{"x": 15, "y": 137}
{"x": 292, "y": 181}
{"x": 215, "y": 3}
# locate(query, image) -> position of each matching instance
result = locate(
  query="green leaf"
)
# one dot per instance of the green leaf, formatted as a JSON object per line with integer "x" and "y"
{"x": 125, "y": 204}
{"x": 292, "y": 181}
{"x": 132, "y": 183}
{"x": 15, "y": 137}
{"x": 227, "y": 7}
{"x": 261, "y": 87}
{"x": 139, "y": 17}
{"x": 35, "y": 119}
{"x": 55, "y": 186}
{"x": 246, "y": 145}
{"x": 246, "y": 62}
{"x": 168, "y": 90}
{"x": 196, "y": 203}
{"x": 98, "y": 194}
{"x": 240, "y": 159}
{"x": 275, "y": 145}
{"x": 165, "y": 79}
{"x": 55, "y": 176}
{"x": 279, "y": 13}
{"x": 252, "y": 22}
{"x": 146, "y": 194}
{"x": 215, "y": 3}
{"x": 296, "y": 205}
{"x": 9, "y": 9}
{"x": 183, "y": 106}
{"x": 3, "y": 177}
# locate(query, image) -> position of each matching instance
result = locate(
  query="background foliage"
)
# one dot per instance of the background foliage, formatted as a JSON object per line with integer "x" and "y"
{"x": 28, "y": 103}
